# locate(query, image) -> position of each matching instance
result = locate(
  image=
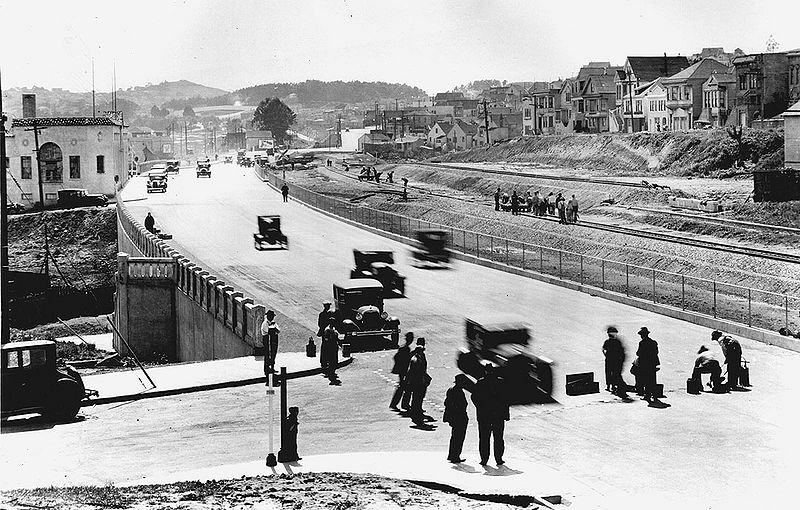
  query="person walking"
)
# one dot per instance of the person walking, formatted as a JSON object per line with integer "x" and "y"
{"x": 150, "y": 223}
{"x": 561, "y": 206}
{"x": 497, "y": 199}
{"x": 491, "y": 409}
{"x": 325, "y": 316}
{"x": 269, "y": 337}
{"x": 529, "y": 201}
{"x": 614, "y": 352}
{"x": 390, "y": 176}
{"x": 514, "y": 203}
{"x": 551, "y": 204}
{"x": 418, "y": 380}
{"x": 647, "y": 364}
{"x": 573, "y": 205}
{"x": 537, "y": 200}
{"x": 285, "y": 192}
{"x": 329, "y": 350}
{"x": 455, "y": 414}
{"x": 732, "y": 351}
{"x": 402, "y": 395}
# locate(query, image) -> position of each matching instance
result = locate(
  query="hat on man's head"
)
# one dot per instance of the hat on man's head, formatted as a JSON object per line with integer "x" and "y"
{"x": 716, "y": 334}
{"x": 702, "y": 348}
{"x": 611, "y": 329}
{"x": 409, "y": 336}
{"x": 421, "y": 341}
{"x": 326, "y": 303}
{"x": 644, "y": 331}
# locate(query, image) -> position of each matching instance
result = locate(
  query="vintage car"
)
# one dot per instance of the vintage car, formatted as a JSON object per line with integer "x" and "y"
{"x": 204, "y": 167}
{"x": 240, "y": 154}
{"x": 14, "y": 208}
{"x": 32, "y": 383}
{"x": 431, "y": 248}
{"x": 269, "y": 233}
{"x": 365, "y": 325}
{"x": 228, "y": 159}
{"x": 157, "y": 180}
{"x": 377, "y": 264}
{"x": 173, "y": 166}
{"x": 504, "y": 341}
{"x": 78, "y": 197}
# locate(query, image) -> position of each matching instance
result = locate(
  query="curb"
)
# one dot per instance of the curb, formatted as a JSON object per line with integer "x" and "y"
{"x": 204, "y": 387}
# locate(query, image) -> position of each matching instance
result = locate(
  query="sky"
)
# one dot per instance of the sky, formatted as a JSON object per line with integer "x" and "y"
{"x": 433, "y": 44}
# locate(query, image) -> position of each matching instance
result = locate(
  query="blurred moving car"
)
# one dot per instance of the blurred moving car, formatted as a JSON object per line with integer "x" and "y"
{"x": 204, "y": 167}
{"x": 32, "y": 383}
{"x": 431, "y": 248}
{"x": 365, "y": 325}
{"x": 269, "y": 232}
{"x": 157, "y": 180}
{"x": 79, "y": 197}
{"x": 173, "y": 166}
{"x": 377, "y": 264}
{"x": 504, "y": 341}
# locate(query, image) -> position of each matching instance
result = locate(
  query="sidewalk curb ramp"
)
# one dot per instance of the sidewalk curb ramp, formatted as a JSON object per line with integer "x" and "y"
{"x": 203, "y": 387}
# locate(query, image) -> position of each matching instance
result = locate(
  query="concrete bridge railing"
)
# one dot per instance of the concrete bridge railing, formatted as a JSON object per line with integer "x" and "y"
{"x": 199, "y": 318}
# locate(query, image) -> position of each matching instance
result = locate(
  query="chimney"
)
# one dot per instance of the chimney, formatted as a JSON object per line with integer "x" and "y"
{"x": 28, "y": 106}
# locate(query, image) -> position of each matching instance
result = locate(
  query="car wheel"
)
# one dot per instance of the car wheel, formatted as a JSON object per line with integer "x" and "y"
{"x": 65, "y": 400}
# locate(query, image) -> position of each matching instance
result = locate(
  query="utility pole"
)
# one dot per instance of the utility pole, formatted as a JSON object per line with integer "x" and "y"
{"x": 36, "y": 130}
{"x": 376, "y": 115}
{"x": 5, "y": 335}
{"x": 93, "y": 105}
{"x": 630, "y": 95}
{"x": 486, "y": 121}
{"x": 339, "y": 130}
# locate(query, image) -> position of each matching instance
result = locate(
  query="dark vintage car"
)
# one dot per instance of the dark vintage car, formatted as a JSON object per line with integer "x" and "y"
{"x": 157, "y": 181}
{"x": 32, "y": 383}
{"x": 173, "y": 166}
{"x": 269, "y": 233}
{"x": 504, "y": 341}
{"x": 77, "y": 197}
{"x": 228, "y": 159}
{"x": 204, "y": 167}
{"x": 431, "y": 248}
{"x": 365, "y": 325}
{"x": 377, "y": 264}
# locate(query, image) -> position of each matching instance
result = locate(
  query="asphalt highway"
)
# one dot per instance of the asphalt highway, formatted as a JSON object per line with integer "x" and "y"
{"x": 705, "y": 451}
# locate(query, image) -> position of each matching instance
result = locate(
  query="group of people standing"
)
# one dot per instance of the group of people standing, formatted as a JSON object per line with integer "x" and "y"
{"x": 411, "y": 368}
{"x": 647, "y": 364}
{"x": 551, "y": 205}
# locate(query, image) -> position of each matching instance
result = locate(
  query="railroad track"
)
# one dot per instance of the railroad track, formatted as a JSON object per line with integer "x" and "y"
{"x": 660, "y": 236}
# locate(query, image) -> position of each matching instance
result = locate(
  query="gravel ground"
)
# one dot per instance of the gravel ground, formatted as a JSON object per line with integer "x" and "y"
{"x": 307, "y": 491}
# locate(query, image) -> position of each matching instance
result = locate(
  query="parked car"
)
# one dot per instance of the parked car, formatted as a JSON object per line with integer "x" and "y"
{"x": 157, "y": 180}
{"x": 14, "y": 208}
{"x": 365, "y": 325}
{"x": 269, "y": 232}
{"x": 32, "y": 383}
{"x": 377, "y": 264}
{"x": 78, "y": 197}
{"x": 504, "y": 341}
{"x": 173, "y": 167}
{"x": 228, "y": 159}
{"x": 204, "y": 167}
{"x": 431, "y": 248}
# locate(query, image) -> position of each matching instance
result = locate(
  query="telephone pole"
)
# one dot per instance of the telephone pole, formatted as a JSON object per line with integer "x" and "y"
{"x": 5, "y": 335}
{"x": 93, "y": 105}
{"x": 486, "y": 121}
{"x": 630, "y": 96}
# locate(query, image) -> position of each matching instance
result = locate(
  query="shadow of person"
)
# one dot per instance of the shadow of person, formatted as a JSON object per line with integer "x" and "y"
{"x": 740, "y": 389}
{"x": 465, "y": 468}
{"x": 657, "y": 404}
{"x": 421, "y": 425}
{"x": 504, "y": 470}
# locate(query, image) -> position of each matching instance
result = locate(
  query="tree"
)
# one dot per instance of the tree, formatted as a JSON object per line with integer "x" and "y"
{"x": 188, "y": 111}
{"x": 274, "y": 116}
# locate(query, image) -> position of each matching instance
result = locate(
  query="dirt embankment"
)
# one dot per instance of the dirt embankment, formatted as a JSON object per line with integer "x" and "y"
{"x": 695, "y": 153}
{"x": 83, "y": 243}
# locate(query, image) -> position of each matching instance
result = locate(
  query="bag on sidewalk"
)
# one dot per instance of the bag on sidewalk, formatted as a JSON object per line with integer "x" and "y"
{"x": 694, "y": 386}
{"x": 744, "y": 374}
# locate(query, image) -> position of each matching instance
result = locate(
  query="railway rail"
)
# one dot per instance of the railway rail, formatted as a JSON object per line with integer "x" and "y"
{"x": 660, "y": 236}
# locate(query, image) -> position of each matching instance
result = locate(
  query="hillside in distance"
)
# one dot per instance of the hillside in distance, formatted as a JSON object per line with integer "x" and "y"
{"x": 314, "y": 91}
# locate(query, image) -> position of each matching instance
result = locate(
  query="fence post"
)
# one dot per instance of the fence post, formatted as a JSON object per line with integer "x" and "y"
{"x": 477, "y": 251}
{"x": 654, "y": 285}
{"x": 523, "y": 255}
{"x": 560, "y": 253}
{"x": 683, "y": 292}
{"x": 627, "y": 280}
{"x": 581, "y": 269}
{"x": 506, "y": 251}
{"x": 786, "y": 311}
{"x": 491, "y": 247}
{"x": 749, "y": 307}
{"x": 715, "y": 297}
{"x": 603, "y": 274}
{"x": 541, "y": 259}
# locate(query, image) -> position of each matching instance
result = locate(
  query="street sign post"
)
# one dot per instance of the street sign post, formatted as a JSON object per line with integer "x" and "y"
{"x": 271, "y": 460}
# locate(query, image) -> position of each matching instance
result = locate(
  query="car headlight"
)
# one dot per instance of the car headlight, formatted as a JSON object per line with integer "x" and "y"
{"x": 384, "y": 315}
{"x": 359, "y": 316}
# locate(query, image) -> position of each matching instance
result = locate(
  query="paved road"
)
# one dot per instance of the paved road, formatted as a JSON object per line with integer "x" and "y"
{"x": 707, "y": 449}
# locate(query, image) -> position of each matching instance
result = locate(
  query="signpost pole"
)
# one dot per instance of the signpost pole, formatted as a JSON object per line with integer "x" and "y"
{"x": 271, "y": 460}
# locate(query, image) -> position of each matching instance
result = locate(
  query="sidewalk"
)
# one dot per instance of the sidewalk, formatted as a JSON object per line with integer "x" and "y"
{"x": 518, "y": 477}
{"x": 180, "y": 378}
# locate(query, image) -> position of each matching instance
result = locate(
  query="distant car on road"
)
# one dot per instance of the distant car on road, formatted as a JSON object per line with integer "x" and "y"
{"x": 366, "y": 326}
{"x": 269, "y": 232}
{"x": 204, "y": 167}
{"x": 377, "y": 264}
{"x": 504, "y": 341}
{"x": 173, "y": 167}
{"x": 431, "y": 248}
{"x": 228, "y": 159}
{"x": 157, "y": 180}
{"x": 32, "y": 383}
{"x": 78, "y": 197}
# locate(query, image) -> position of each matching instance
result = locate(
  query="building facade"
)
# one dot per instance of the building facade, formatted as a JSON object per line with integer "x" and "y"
{"x": 762, "y": 87}
{"x": 793, "y": 58}
{"x": 685, "y": 92}
{"x": 719, "y": 91}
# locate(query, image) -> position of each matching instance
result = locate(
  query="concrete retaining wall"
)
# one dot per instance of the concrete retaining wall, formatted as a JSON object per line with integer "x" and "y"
{"x": 211, "y": 319}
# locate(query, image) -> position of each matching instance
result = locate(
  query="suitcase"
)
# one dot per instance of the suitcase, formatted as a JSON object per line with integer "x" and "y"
{"x": 694, "y": 386}
{"x": 744, "y": 374}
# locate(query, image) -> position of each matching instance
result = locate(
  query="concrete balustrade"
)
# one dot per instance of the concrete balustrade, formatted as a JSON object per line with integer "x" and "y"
{"x": 168, "y": 306}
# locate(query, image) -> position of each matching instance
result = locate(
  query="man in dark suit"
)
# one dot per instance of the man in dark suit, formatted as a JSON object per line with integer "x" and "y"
{"x": 491, "y": 407}
{"x": 455, "y": 413}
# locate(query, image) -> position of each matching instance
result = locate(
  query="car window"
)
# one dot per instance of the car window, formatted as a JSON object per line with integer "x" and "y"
{"x": 26, "y": 357}
{"x": 38, "y": 357}
{"x": 12, "y": 359}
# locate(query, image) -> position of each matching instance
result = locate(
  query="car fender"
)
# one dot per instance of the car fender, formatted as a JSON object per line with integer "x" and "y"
{"x": 348, "y": 325}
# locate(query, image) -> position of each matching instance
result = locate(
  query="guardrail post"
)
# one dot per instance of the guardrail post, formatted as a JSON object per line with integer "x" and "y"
{"x": 786, "y": 311}
{"x": 581, "y": 269}
{"x": 541, "y": 259}
{"x": 654, "y": 285}
{"x": 749, "y": 307}
{"x": 683, "y": 292}
{"x": 477, "y": 251}
{"x": 523, "y": 255}
{"x": 627, "y": 280}
{"x": 603, "y": 274}
{"x": 714, "y": 286}
{"x": 506, "y": 251}
{"x": 491, "y": 247}
{"x": 559, "y": 263}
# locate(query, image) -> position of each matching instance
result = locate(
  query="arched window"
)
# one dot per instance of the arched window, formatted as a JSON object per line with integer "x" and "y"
{"x": 51, "y": 162}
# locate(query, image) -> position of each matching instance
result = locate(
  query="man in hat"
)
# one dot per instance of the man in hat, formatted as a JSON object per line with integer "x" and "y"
{"x": 329, "y": 350}
{"x": 614, "y": 352}
{"x": 491, "y": 408}
{"x": 290, "y": 455}
{"x": 647, "y": 364}
{"x": 732, "y": 351}
{"x": 269, "y": 337}
{"x": 455, "y": 414}
{"x": 402, "y": 395}
{"x": 497, "y": 200}
{"x": 418, "y": 380}
{"x": 150, "y": 223}
{"x": 325, "y": 316}
{"x": 705, "y": 363}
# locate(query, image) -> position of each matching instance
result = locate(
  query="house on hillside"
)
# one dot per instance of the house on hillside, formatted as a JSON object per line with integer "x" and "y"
{"x": 719, "y": 92}
{"x": 462, "y": 135}
{"x": 791, "y": 130}
{"x": 437, "y": 136}
{"x": 599, "y": 96}
{"x": 564, "y": 124}
{"x": 638, "y": 71}
{"x": 544, "y": 101}
{"x": 442, "y": 98}
{"x": 762, "y": 87}
{"x": 577, "y": 119}
{"x": 653, "y": 97}
{"x": 685, "y": 92}
{"x": 793, "y": 58}
{"x": 374, "y": 142}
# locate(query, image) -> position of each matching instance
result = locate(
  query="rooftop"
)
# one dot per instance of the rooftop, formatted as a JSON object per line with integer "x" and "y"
{"x": 702, "y": 69}
{"x": 63, "y": 121}
{"x": 650, "y": 68}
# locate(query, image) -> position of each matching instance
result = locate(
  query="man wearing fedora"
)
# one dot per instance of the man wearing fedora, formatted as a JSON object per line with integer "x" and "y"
{"x": 418, "y": 380}
{"x": 614, "y": 352}
{"x": 402, "y": 394}
{"x": 647, "y": 363}
{"x": 455, "y": 414}
{"x": 491, "y": 408}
